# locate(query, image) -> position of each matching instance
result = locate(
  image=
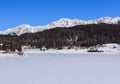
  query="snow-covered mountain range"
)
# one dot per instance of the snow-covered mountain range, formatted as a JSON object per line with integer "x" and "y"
{"x": 64, "y": 22}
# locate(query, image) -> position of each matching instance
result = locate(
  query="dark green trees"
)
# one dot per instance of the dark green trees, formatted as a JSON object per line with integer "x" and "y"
{"x": 10, "y": 46}
{"x": 78, "y": 36}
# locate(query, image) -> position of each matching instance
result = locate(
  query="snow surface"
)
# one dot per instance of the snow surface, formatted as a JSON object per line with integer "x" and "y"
{"x": 64, "y": 22}
{"x": 110, "y": 48}
{"x": 61, "y": 68}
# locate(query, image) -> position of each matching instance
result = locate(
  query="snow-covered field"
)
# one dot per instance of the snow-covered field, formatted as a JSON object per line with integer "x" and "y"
{"x": 59, "y": 68}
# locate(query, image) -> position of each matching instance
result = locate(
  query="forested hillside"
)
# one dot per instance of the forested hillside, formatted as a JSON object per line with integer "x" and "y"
{"x": 78, "y": 36}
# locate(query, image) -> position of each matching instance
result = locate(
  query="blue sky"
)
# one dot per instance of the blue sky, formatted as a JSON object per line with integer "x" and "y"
{"x": 41, "y": 12}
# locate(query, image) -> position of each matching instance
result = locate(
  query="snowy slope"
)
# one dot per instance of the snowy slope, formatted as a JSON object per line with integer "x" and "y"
{"x": 64, "y": 22}
{"x": 110, "y": 48}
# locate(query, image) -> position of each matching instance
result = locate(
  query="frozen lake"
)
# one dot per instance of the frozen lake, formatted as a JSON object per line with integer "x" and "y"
{"x": 61, "y": 68}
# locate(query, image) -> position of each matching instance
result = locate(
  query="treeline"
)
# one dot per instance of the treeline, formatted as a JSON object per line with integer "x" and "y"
{"x": 78, "y": 36}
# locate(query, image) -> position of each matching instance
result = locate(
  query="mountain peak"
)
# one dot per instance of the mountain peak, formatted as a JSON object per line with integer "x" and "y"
{"x": 24, "y": 26}
{"x": 67, "y": 22}
{"x": 63, "y": 22}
